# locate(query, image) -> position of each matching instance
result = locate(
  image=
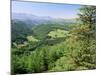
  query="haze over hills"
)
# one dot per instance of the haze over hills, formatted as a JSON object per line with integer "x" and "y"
{"x": 33, "y": 19}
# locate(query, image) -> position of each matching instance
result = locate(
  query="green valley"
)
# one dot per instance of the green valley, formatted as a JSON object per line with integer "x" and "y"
{"x": 54, "y": 46}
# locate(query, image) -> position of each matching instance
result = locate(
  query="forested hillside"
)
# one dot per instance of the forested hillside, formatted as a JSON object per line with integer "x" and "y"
{"x": 53, "y": 47}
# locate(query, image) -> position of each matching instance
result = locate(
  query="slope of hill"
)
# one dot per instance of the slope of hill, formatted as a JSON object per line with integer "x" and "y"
{"x": 19, "y": 31}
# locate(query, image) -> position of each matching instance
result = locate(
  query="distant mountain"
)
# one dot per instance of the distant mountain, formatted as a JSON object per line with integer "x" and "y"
{"x": 30, "y": 19}
{"x": 36, "y": 20}
{"x": 23, "y": 16}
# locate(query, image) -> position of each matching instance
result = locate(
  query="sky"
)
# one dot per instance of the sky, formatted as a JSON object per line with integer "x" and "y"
{"x": 66, "y": 11}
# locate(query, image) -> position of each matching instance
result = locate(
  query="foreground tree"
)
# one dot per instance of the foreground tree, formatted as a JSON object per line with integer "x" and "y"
{"x": 86, "y": 56}
{"x": 87, "y": 16}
